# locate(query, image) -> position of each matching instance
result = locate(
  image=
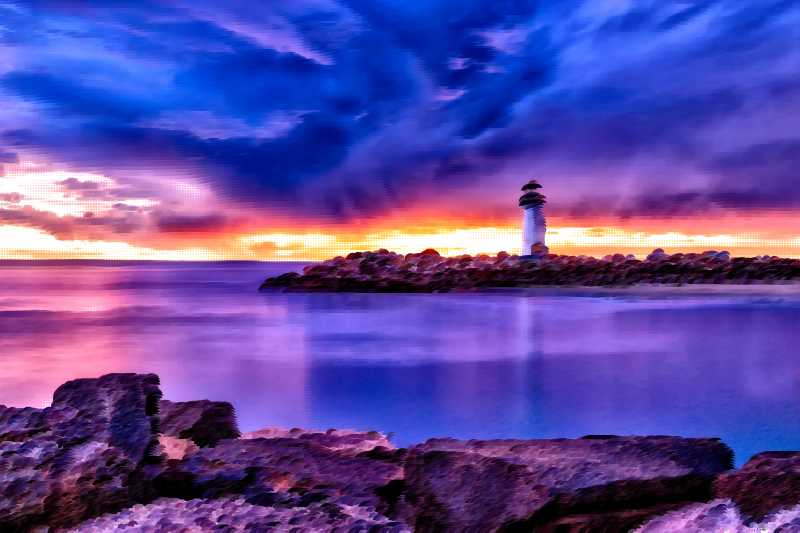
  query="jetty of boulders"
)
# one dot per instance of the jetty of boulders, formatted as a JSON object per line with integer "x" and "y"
{"x": 428, "y": 271}
{"x": 111, "y": 455}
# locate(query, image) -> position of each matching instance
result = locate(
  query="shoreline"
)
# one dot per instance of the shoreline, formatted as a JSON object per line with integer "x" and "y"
{"x": 708, "y": 274}
{"x": 781, "y": 290}
{"x": 185, "y": 466}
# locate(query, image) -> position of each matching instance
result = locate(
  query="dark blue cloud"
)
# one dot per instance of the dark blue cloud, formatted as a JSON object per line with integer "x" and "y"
{"x": 254, "y": 168}
{"x": 65, "y": 97}
{"x": 381, "y": 98}
{"x": 636, "y": 20}
{"x": 260, "y": 168}
{"x": 760, "y": 177}
{"x": 439, "y": 29}
{"x": 685, "y": 15}
{"x": 693, "y": 203}
{"x": 609, "y": 126}
{"x": 444, "y": 30}
{"x": 256, "y": 82}
{"x": 367, "y": 77}
{"x": 770, "y": 169}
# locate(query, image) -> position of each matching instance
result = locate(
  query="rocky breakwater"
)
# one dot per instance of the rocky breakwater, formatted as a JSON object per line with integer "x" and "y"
{"x": 112, "y": 455}
{"x": 384, "y": 271}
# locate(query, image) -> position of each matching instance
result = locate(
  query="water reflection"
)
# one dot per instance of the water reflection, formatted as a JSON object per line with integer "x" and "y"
{"x": 466, "y": 366}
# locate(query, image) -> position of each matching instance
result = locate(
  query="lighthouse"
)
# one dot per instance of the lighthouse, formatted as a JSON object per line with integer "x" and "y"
{"x": 533, "y": 226}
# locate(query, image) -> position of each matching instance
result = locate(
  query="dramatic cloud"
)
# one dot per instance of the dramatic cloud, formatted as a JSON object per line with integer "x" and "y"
{"x": 337, "y": 111}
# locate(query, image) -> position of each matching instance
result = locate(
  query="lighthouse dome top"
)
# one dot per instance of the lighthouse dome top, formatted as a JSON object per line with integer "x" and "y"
{"x": 531, "y": 185}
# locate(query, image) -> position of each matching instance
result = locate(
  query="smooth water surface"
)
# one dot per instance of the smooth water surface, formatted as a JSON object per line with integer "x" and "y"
{"x": 419, "y": 365}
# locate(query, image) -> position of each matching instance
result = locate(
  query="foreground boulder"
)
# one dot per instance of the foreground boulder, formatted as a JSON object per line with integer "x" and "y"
{"x": 118, "y": 409}
{"x": 86, "y": 455}
{"x": 520, "y": 485}
{"x": 768, "y": 482}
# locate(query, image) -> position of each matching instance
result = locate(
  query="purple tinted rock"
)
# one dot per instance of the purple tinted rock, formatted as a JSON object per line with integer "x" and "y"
{"x": 769, "y": 481}
{"x": 351, "y": 443}
{"x": 308, "y": 462}
{"x": 658, "y": 255}
{"x": 87, "y": 456}
{"x": 202, "y": 421}
{"x": 622, "y": 521}
{"x": 117, "y": 409}
{"x": 668, "y": 454}
{"x": 19, "y": 424}
{"x": 555, "y": 478}
{"x": 56, "y": 485}
{"x": 430, "y": 273}
{"x": 381, "y": 453}
{"x": 253, "y": 466}
{"x": 168, "y": 514}
{"x": 456, "y": 490}
{"x": 720, "y": 515}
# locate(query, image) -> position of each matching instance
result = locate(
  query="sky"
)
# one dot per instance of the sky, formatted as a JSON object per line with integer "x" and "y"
{"x": 303, "y": 129}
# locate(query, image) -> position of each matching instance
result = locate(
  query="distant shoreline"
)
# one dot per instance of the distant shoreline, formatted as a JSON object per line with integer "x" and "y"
{"x": 123, "y": 262}
{"x": 784, "y": 290}
{"x": 708, "y": 274}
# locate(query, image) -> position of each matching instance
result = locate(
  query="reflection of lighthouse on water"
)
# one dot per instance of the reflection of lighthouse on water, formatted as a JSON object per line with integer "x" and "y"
{"x": 534, "y": 225}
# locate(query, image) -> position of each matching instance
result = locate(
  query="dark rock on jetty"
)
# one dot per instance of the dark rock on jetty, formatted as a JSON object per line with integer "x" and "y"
{"x": 103, "y": 458}
{"x": 384, "y": 271}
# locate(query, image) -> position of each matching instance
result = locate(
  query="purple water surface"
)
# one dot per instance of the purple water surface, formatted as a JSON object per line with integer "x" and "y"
{"x": 441, "y": 365}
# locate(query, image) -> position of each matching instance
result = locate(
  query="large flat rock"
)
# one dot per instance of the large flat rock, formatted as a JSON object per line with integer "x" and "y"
{"x": 530, "y": 483}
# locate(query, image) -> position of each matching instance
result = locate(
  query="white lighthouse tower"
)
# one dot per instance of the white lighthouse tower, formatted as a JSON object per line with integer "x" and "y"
{"x": 533, "y": 226}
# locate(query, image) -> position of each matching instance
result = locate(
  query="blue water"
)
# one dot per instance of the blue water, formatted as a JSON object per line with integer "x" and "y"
{"x": 419, "y": 365}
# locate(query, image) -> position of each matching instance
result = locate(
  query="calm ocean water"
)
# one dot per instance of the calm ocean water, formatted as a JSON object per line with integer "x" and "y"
{"x": 465, "y": 366}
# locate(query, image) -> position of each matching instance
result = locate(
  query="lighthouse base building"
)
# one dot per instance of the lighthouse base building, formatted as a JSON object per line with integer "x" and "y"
{"x": 533, "y": 225}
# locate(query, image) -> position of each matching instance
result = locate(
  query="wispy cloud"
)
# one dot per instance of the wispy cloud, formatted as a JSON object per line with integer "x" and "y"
{"x": 340, "y": 111}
